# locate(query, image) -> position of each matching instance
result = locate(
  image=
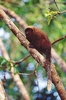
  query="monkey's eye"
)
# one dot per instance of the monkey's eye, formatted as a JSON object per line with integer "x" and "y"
{"x": 26, "y": 32}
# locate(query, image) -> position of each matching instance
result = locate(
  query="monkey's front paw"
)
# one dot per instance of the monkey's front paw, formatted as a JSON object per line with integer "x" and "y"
{"x": 31, "y": 46}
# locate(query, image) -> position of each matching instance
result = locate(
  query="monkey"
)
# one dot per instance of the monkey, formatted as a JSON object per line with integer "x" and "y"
{"x": 39, "y": 40}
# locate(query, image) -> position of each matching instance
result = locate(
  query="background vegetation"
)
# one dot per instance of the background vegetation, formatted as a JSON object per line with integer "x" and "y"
{"x": 38, "y": 13}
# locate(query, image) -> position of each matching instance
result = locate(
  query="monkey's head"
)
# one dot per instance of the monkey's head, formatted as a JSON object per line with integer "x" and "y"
{"x": 29, "y": 32}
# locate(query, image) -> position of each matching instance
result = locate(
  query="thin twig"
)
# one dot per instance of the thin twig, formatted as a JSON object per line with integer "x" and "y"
{"x": 17, "y": 62}
{"x": 22, "y": 73}
{"x": 58, "y": 40}
{"x": 62, "y": 12}
{"x": 56, "y": 4}
{"x": 58, "y": 13}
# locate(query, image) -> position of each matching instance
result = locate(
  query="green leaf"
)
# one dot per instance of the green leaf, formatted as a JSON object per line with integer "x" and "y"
{"x": 5, "y": 64}
{"x": 4, "y": 61}
{"x": 50, "y": 14}
{"x": 16, "y": 70}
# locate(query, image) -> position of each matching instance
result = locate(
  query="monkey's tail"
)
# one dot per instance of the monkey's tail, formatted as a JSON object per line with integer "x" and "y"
{"x": 48, "y": 67}
{"x": 49, "y": 82}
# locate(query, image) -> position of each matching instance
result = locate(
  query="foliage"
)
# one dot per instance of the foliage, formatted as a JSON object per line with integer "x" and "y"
{"x": 4, "y": 63}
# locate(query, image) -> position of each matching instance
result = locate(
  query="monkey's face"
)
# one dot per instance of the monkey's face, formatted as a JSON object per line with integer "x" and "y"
{"x": 29, "y": 33}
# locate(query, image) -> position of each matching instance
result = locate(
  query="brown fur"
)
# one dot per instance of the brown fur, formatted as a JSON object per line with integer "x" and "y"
{"x": 39, "y": 40}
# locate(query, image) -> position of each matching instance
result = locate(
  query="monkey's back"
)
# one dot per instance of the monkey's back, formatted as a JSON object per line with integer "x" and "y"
{"x": 40, "y": 40}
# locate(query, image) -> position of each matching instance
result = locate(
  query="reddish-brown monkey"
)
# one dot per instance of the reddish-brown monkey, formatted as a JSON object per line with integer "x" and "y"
{"x": 39, "y": 40}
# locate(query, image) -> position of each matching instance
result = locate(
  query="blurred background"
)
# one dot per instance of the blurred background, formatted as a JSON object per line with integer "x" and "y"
{"x": 37, "y": 13}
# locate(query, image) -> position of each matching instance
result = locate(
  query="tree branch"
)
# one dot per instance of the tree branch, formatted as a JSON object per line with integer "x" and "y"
{"x": 59, "y": 60}
{"x": 2, "y": 92}
{"x": 15, "y": 16}
{"x": 16, "y": 77}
